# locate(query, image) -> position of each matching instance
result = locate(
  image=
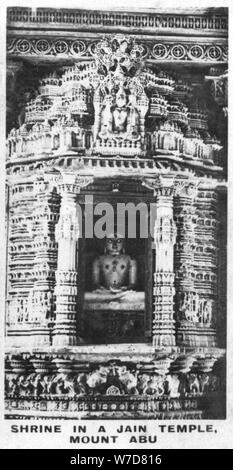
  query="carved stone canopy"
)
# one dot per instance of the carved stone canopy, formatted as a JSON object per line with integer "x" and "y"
{"x": 115, "y": 104}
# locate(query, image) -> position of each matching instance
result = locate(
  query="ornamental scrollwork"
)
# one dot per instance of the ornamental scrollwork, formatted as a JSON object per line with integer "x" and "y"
{"x": 157, "y": 51}
{"x": 189, "y": 52}
{"x": 44, "y": 46}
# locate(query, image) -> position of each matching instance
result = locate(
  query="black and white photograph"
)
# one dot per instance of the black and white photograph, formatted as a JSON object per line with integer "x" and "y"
{"x": 115, "y": 189}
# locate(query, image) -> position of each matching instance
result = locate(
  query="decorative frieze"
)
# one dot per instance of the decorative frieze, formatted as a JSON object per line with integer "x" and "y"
{"x": 115, "y": 165}
{"x": 101, "y": 381}
{"x": 88, "y": 388}
{"x": 160, "y": 20}
{"x": 158, "y": 52}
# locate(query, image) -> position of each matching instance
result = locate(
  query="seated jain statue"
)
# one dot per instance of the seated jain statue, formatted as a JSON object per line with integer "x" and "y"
{"x": 114, "y": 271}
{"x": 120, "y": 119}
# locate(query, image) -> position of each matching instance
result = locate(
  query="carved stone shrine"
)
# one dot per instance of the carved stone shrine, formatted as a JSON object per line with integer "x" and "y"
{"x": 112, "y": 107}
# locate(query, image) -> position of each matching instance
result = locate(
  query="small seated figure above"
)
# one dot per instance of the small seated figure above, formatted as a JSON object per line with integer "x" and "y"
{"x": 119, "y": 119}
{"x": 115, "y": 271}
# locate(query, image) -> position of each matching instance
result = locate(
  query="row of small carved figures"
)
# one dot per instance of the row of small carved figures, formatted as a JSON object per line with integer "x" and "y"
{"x": 102, "y": 383}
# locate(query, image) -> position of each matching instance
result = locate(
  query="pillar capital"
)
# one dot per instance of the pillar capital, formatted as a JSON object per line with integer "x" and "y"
{"x": 162, "y": 185}
{"x": 71, "y": 183}
{"x": 170, "y": 185}
{"x": 66, "y": 182}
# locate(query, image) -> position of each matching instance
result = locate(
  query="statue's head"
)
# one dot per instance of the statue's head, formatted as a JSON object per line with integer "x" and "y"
{"x": 114, "y": 244}
{"x": 121, "y": 98}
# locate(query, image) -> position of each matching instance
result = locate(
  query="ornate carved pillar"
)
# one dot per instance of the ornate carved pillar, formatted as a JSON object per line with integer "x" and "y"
{"x": 41, "y": 297}
{"x": 196, "y": 268}
{"x": 222, "y": 267}
{"x": 185, "y": 220}
{"x": 67, "y": 280}
{"x": 163, "y": 330}
{"x": 185, "y": 217}
{"x": 206, "y": 261}
{"x": 20, "y": 261}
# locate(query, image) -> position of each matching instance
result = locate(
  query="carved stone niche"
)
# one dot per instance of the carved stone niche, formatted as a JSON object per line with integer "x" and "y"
{"x": 115, "y": 289}
{"x": 120, "y": 101}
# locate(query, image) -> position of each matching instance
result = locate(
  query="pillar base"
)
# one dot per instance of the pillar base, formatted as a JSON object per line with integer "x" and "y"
{"x": 64, "y": 340}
